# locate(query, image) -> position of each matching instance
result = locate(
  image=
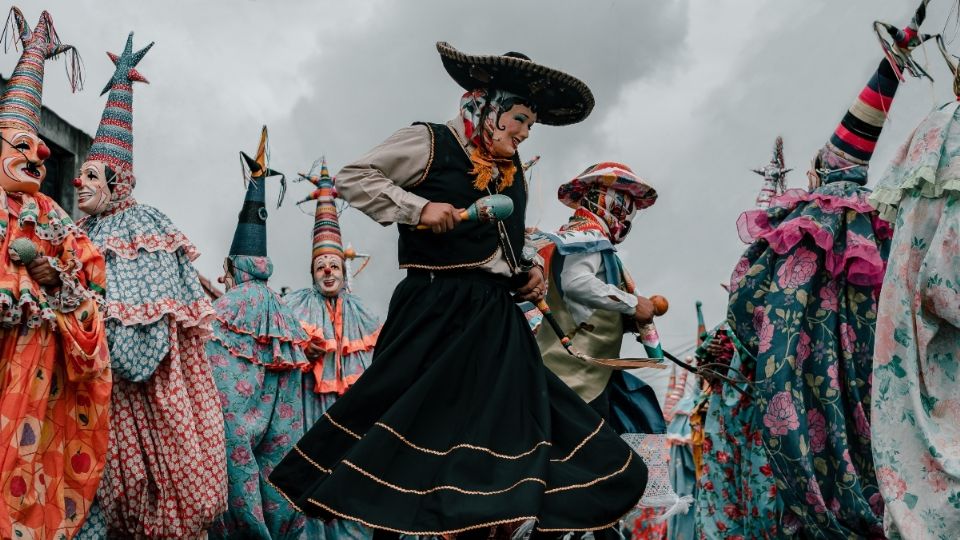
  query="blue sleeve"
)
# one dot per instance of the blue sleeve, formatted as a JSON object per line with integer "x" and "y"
{"x": 136, "y": 351}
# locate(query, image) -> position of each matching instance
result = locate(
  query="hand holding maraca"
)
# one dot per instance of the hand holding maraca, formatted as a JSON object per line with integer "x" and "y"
{"x": 648, "y": 308}
{"x": 443, "y": 217}
{"x": 24, "y": 251}
{"x": 439, "y": 217}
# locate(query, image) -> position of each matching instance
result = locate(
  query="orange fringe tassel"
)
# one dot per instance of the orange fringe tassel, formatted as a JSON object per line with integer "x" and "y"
{"x": 483, "y": 164}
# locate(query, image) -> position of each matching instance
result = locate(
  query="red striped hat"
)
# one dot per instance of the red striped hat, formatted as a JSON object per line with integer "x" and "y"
{"x": 326, "y": 223}
{"x": 855, "y": 139}
{"x": 21, "y": 100}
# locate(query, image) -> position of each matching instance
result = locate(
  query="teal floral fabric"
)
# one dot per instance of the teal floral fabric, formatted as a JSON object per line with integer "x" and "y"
{"x": 737, "y": 497}
{"x": 916, "y": 395}
{"x": 803, "y": 303}
{"x": 256, "y": 352}
{"x": 253, "y": 323}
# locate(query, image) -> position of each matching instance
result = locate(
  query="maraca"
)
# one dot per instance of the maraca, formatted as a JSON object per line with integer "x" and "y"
{"x": 25, "y": 249}
{"x": 490, "y": 208}
{"x": 660, "y": 305}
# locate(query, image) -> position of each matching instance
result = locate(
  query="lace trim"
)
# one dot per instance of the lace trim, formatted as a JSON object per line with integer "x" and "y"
{"x": 341, "y": 428}
{"x": 72, "y": 293}
{"x": 595, "y": 480}
{"x": 341, "y": 515}
{"x": 581, "y": 445}
{"x": 11, "y": 310}
{"x": 170, "y": 243}
{"x": 197, "y": 313}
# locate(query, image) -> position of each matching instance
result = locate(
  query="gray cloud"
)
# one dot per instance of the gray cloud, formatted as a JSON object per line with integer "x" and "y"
{"x": 690, "y": 94}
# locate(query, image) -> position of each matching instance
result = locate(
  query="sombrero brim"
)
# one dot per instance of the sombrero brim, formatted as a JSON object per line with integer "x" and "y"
{"x": 561, "y": 99}
{"x": 574, "y": 191}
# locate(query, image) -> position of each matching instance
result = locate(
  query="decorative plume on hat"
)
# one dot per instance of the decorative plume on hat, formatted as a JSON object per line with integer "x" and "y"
{"x": 113, "y": 143}
{"x": 774, "y": 176}
{"x": 854, "y": 140}
{"x": 250, "y": 237}
{"x": 21, "y": 100}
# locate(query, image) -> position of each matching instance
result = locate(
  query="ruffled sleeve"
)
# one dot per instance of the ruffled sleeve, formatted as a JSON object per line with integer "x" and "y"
{"x": 254, "y": 325}
{"x": 151, "y": 283}
{"x": 839, "y": 220}
{"x": 927, "y": 165}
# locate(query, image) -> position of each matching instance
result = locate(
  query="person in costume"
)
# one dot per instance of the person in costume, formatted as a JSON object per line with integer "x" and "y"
{"x": 736, "y": 495}
{"x": 457, "y": 426}
{"x": 257, "y": 356}
{"x": 915, "y": 398}
{"x": 685, "y": 438}
{"x": 54, "y": 359}
{"x": 342, "y": 331}
{"x": 166, "y": 464}
{"x": 803, "y": 303}
{"x": 590, "y": 294}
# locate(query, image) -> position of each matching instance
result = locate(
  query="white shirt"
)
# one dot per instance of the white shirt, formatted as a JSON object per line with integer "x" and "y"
{"x": 585, "y": 291}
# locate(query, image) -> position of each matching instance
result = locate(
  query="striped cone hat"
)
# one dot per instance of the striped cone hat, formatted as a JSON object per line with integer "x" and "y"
{"x": 854, "y": 140}
{"x": 113, "y": 143}
{"x": 250, "y": 236}
{"x": 22, "y": 98}
{"x": 326, "y": 223}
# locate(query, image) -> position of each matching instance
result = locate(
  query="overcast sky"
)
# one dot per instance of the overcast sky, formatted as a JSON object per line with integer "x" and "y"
{"x": 690, "y": 94}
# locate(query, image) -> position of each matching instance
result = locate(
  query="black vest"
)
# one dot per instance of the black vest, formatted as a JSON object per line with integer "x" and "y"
{"x": 447, "y": 179}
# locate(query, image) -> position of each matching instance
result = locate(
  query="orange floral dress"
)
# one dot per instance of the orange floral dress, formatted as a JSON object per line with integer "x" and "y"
{"x": 54, "y": 375}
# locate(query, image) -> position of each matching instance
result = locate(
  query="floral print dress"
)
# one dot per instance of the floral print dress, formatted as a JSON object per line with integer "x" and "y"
{"x": 803, "y": 303}
{"x": 346, "y": 331}
{"x": 257, "y": 357}
{"x": 736, "y": 494}
{"x": 166, "y": 465}
{"x": 916, "y": 395}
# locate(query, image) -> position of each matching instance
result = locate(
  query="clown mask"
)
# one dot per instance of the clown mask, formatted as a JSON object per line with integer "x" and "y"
{"x": 93, "y": 187}
{"x": 22, "y": 154}
{"x": 328, "y": 274}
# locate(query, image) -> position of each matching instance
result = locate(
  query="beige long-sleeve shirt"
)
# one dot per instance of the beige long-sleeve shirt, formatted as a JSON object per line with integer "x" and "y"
{"x": 375, "y": 184}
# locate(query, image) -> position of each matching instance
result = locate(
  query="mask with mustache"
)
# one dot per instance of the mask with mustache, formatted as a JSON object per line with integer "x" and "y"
{"x": 22, "y": 154}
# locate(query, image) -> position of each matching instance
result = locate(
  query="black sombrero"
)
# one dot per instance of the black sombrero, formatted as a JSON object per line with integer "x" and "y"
{"x": 560, "y": 98}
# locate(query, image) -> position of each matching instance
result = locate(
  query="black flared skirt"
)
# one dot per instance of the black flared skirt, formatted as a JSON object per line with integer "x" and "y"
{"x": 458, "y": 425}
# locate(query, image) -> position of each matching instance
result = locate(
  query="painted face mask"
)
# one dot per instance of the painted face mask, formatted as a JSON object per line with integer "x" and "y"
{"x": 21, "y": 161}
{"x": 93, "y": 187}
{"x": 616, "y": 208}
{"x": 328, "y": 274}
{"x": 495, "y": 122}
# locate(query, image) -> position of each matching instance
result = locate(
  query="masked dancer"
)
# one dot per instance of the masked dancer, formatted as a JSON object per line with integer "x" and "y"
{"x": 736, "y": 492}
{"x": 916, "y": 395}
{"x": 342, "y": 331}
{"x": 804, "y": 305}
{"x": 166, "y": 465}
{"x": 257, "y": 357}
{"x": 457, "y": 426}
{"x": 54, "y": 360}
